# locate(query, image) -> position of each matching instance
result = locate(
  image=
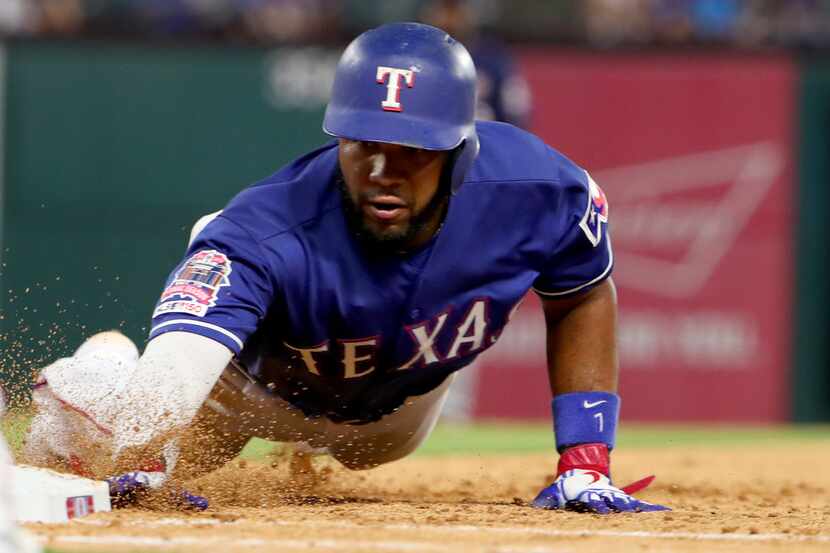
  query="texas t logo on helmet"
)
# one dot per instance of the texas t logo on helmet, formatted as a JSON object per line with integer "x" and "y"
{"x": 393, "y": 85}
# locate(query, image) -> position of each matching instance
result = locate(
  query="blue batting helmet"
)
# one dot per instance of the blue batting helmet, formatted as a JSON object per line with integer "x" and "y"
{"x": 409, "y": 84}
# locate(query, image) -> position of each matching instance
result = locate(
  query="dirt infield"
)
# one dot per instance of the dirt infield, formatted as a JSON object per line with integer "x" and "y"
{"x": 773, "y": 497}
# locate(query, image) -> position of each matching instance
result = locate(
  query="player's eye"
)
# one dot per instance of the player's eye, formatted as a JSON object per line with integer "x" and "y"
{"x": 421, "y": 156}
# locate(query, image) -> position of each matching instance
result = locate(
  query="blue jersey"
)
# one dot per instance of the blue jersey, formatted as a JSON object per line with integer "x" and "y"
{"x": 280, "y": 279}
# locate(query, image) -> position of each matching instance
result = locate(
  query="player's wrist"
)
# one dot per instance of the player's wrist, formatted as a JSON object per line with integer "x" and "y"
{"x": 585, "y": 425}
{"x": 586, "y": 457}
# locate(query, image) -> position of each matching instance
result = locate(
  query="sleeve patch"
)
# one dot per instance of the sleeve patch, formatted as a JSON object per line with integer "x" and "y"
{"x": 195, "y": 286}
{"x": 596, "y": 214}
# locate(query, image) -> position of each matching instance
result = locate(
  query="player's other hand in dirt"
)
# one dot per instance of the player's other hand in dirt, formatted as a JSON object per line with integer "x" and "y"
{"x": 589, "y": 489}
{"x": 127, "y": 487}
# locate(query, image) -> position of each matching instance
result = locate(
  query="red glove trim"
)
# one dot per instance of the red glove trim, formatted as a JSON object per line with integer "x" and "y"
{"x": 635, "y": 487}
{"x": 587, "y": 457}
{"x": 595, "y": 457}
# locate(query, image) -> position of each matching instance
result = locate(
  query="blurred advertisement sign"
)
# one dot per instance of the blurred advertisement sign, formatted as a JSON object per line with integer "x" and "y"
{"x": 300, "y": 78}
{"x": 694, "y": 156}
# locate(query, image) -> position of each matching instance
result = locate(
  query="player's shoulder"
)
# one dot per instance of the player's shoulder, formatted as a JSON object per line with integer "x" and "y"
{"x": 299, "y": 192}
{"x": 510, "y": 155}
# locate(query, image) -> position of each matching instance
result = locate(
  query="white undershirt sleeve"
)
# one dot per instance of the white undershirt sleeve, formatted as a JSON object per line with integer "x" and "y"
{"x": 171, "y": 381}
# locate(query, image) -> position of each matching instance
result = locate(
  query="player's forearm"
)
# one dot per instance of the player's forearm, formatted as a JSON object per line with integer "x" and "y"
{"x": 582, "y": 362}
{"x": 581, "y": 341}
{"x": 173, "y": 378}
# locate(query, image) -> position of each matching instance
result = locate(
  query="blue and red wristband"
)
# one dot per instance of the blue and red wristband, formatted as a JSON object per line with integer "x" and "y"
{"x": 585, "y": 418}
{"x": 585, "y": 425}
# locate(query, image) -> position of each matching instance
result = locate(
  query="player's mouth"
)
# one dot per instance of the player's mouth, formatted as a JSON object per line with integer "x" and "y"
{"x": 386, "y": 208}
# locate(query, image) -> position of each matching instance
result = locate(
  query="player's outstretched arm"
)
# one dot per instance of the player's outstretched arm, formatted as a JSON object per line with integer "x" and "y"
{"x": 173, "y": 378}
{"x": 104, "y": 411}
{"x": 105, "y": 401}
{"x": 583, "y": 367}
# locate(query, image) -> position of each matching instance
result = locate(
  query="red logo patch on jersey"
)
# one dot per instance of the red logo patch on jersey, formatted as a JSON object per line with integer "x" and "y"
{"x": 596, "y": 214}
{"x": 196, "y": 284}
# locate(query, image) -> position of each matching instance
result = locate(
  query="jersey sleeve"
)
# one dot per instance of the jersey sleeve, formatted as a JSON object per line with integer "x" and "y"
{"x": 221, "y": 290}
{"x": 581, "y": 255}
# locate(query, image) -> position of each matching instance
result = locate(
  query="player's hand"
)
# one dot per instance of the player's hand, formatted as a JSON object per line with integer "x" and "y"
{"x": 127, "y": 487}
{"x": 591, "y": 491}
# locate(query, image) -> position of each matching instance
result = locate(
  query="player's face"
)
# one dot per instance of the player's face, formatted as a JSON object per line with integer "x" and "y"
{"x": 393, "y": 191}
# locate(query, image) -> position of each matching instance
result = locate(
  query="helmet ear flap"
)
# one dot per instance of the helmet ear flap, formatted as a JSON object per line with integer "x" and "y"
{"x": 462, "y": 159}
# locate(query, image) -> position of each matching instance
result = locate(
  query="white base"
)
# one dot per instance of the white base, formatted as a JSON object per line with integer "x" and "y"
{"x": 41, "y": 495}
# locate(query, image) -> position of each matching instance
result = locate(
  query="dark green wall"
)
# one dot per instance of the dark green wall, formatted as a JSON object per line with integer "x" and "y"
{"x": 811, "y": 377}
{"x": 112, "y": 152}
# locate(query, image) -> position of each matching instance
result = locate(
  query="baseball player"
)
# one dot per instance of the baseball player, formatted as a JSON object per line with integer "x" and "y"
{"x": 330, "y": 304}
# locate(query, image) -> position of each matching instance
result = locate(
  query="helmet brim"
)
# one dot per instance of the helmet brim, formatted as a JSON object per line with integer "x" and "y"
{"x": 393, "y": 128}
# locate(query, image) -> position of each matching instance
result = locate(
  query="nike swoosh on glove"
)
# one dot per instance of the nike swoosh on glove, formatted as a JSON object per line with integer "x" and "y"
{"x": 590, "y": 491}
{"x": 127, "y": 487}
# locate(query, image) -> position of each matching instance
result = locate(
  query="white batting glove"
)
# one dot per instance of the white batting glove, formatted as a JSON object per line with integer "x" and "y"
{"x": 590, "y": 491}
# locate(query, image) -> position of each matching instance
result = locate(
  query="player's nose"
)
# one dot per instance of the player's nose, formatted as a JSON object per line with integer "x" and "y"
{"x": 383, "y": 171}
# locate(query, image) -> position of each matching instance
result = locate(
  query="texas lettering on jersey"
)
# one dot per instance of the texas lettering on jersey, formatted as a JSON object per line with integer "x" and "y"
{"x": 359, "y": 355}
{"x": 281, "y": 281}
